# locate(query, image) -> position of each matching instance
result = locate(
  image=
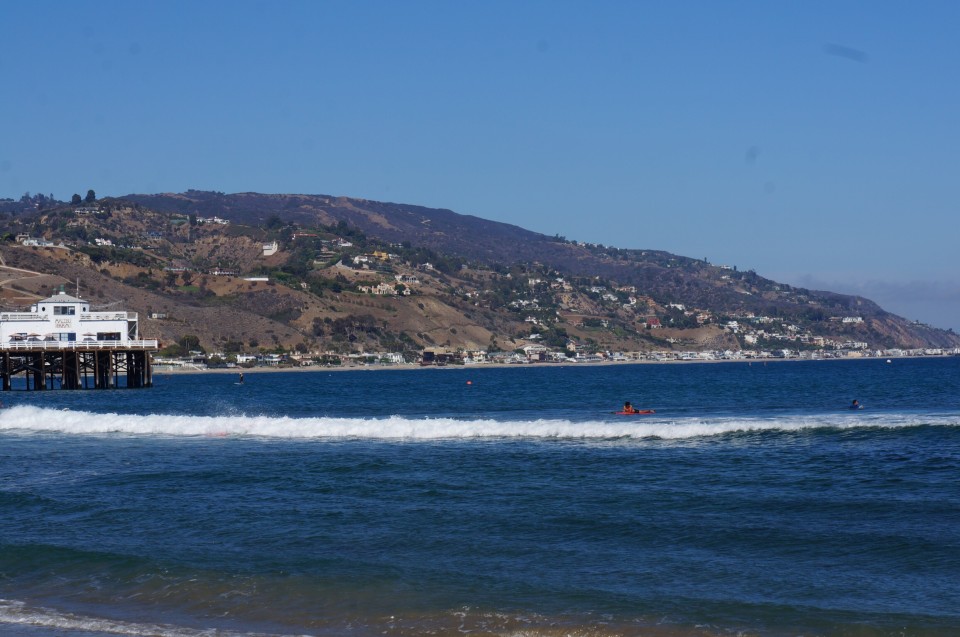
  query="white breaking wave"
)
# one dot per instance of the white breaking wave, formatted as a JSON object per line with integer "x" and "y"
{"x": 14, "y": 612}
{"x": 37, "y": 419}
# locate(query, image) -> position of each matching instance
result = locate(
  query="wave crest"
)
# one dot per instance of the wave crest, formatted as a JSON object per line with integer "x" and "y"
{"x": 35, "y": 419}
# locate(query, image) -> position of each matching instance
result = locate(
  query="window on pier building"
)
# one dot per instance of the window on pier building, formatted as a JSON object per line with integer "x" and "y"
{"x": 65, "y": 336}
{"x": 108, "y": 336}
{"x": 64, "y": 310}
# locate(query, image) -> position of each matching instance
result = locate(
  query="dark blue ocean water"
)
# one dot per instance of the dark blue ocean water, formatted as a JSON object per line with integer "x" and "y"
{"x": 489, "y": 501}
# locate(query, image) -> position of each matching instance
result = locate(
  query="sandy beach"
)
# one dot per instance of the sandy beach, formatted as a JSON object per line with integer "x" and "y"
{"x": 163, "y": 369}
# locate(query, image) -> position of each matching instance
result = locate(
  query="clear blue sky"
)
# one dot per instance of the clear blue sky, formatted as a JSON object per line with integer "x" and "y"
{"x": 815, "y": 142}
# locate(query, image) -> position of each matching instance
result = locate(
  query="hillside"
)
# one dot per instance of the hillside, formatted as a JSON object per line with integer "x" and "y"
{"x": 351, "y": 275}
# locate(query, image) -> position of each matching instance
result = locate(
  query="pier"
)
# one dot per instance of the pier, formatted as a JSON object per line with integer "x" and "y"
{"x": 61, "y": 344}
{"x": 45, "y": 365}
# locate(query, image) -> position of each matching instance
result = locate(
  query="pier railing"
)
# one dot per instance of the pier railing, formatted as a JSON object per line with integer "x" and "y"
{"x": 108, "y": 316}
{"x": 23, "y": 316}
{"x": 33, "y": 346}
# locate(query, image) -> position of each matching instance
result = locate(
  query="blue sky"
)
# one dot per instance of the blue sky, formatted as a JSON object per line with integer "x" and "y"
{"x": 815, "y": 142}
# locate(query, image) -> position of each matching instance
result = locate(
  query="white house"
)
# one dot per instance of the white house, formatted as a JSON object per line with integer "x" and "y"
{"x": 65, "y": 318}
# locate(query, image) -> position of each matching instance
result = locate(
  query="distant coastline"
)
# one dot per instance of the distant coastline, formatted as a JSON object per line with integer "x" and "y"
{"x": 159, "y": 370}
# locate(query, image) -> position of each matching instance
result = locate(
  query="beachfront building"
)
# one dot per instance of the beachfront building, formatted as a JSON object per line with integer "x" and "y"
{"x": 66, "y": 318}
{"x": 61, "y": 343}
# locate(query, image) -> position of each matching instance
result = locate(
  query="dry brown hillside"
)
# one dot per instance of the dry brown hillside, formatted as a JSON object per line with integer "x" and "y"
{"x": 352, "y": 275}
{"x": 257, "y": 314}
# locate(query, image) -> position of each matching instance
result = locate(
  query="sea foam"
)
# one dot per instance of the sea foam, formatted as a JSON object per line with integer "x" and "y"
{"x": 35, "y": 419}
{"x": 15, "y": 612}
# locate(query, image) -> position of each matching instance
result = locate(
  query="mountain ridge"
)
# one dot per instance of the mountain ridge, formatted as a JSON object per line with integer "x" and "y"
{"x": 494, "y": 285}
{"x": 477, "y": 238}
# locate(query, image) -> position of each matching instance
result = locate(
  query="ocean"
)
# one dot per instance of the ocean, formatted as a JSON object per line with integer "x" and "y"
{"x": 489, "y": 501}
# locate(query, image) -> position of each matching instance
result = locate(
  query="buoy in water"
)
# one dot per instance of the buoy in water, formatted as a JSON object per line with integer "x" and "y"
{"x": 469, "y": 382}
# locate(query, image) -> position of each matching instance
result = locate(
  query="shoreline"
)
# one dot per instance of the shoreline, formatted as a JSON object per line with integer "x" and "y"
{"x": 163, "y": 370}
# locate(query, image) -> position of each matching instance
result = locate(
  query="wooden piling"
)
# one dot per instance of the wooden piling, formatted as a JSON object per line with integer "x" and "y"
{"x": 67, "y": 365}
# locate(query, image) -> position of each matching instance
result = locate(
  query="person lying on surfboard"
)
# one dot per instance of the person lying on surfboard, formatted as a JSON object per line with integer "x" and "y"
{"x": 630, "y": 409}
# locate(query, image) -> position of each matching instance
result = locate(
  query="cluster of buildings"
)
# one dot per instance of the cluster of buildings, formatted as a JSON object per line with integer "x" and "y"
{"x": 753, "y": 329}
{"x": 530, "y": 354}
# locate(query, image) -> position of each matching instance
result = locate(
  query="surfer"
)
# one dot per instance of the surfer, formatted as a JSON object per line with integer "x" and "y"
{"x": 856, "y": 404}
{"x": 630, "y": 410}
{"x": 241, "y": 378}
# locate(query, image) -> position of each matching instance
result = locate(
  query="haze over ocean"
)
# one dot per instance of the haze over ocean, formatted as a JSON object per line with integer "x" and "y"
{"x": 411, "y": 502}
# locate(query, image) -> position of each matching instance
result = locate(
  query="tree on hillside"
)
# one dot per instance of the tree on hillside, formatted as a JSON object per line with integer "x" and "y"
{"x": 172, "y": 350}
{"x": 190, "y": 342}
{"x": 91, "y": 196}
{"x": 75, "y": 200}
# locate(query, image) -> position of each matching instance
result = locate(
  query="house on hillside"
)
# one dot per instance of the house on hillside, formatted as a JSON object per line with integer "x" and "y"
{"x": 381, "y": 289}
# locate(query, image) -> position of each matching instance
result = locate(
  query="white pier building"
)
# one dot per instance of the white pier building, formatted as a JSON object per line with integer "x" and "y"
{"x": 61, "y": 343}
{"x": 66, "y": 319}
